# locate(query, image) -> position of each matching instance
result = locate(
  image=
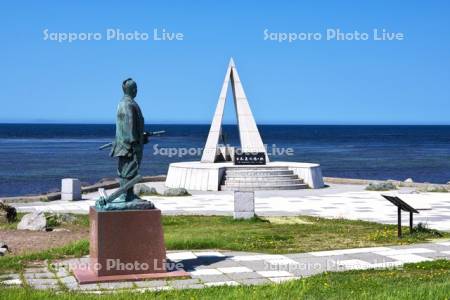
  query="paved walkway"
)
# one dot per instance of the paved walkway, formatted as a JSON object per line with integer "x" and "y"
{"x": 336, "y": 201}
{"x": 213, "y": 268}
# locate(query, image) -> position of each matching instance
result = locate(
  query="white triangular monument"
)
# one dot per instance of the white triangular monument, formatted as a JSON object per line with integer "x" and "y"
{"x": 248, "y": 131}
{"x": 218, "y": 171}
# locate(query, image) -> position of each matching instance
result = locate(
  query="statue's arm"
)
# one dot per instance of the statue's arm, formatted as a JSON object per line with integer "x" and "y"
{"x": 126, "y": 119}
{"x": 136, "y": 132}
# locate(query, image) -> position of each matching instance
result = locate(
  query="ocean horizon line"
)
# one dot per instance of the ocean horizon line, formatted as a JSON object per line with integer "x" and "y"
{"x": 227, "y": 124}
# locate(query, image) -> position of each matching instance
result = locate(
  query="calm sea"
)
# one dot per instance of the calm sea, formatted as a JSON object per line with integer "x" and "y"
{"x": 34, "y": 157}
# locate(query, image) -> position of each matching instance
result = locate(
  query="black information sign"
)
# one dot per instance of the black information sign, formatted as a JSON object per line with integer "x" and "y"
{"x": 249, "y": 158}
{"x": 402, "y": 205}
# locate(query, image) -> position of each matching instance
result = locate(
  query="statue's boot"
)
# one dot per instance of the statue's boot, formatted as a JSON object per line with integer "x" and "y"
{"x": 128, "y": 200}
{"x": 121, "y": 198}
{"x": 130, "y": 195}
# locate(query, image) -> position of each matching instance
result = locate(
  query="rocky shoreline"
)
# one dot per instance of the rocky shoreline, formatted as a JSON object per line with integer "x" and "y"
{"x": 405, "y": 183}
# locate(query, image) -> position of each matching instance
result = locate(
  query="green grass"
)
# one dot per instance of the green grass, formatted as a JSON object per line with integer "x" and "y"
{"x": 272, "y": 235}
{"x": 282, "y": 235}
{"x": 428, "y": 280}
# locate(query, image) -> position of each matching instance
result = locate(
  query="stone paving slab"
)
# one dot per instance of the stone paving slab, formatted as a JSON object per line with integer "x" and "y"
{"x": 68, "y": 280}
{"x": 116, "y": 285}
{"x": 258, "y": 265}
{"x": 150, "y": 283}
{"x": 184, "y": 283}
{"x": 221, "y": 283}
{"x": 213, "y": 278}
{"x": 9, "y": 276}
{"x": 254, "y": 281}
{"x": 214, "y": 268}
{"x": 244, "y": 276}
{"x": 41, "y": 281}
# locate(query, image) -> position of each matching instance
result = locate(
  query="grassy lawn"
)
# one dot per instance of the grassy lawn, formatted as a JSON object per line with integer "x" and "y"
{"x": 427, "y": 280}
{"x": 283, "y": 234}
{"x": 269, "y": 235}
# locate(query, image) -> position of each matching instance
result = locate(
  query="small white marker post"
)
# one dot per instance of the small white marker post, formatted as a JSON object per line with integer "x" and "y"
{"x": 70, "y": 189}
{"x": 244, "y": 205}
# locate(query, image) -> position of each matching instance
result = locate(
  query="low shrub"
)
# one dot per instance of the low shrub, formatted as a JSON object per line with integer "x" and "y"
{"x": 381, "y": 186}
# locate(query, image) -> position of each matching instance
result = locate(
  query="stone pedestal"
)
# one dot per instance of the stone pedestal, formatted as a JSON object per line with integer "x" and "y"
{"x": 244, "y": 205}
{"x": 70, "y": 189}
{"x": 126, "y": 245}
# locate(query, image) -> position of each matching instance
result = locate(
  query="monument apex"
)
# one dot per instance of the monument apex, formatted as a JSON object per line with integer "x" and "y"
{"x": 249, "y": 136}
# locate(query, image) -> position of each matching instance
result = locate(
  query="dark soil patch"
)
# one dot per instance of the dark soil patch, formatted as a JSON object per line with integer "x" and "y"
{"x": 23, "y": 241}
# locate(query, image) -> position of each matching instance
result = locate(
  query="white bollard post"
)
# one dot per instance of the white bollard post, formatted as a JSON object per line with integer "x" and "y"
{"x": 70, "y": 189}
{"x": 244, "y": 205}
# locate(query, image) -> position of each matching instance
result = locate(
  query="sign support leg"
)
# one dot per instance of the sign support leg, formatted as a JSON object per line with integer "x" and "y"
{"x": 411, "y": 222}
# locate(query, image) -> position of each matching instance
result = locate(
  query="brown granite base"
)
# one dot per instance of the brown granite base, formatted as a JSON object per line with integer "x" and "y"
{"x": 126, "y": 245}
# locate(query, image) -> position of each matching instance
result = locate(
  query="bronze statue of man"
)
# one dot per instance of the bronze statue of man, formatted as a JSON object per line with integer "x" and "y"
{"x": 130, "y": 139}
{"x": 128, "y": 148}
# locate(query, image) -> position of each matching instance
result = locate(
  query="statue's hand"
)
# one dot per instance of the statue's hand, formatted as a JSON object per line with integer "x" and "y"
{"x": 145, "y": 138}
{"x": 134, "y": 147}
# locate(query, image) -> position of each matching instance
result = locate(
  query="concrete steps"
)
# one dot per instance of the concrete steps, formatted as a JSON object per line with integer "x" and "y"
{"x": 261, "y": 178}
{"x": 258, "y": 173}
{"x": 263, "y": 183}
{"x": 264, "y": 188}
{"x": 262, "y": 168}
{"x": 232, "y": 178}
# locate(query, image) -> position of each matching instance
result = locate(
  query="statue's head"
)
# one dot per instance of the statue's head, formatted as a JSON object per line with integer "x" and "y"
{"x": 129, "y": 87}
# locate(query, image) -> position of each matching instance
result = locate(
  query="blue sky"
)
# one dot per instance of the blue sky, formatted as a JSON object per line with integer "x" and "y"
{"x": 302, "y": 82}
